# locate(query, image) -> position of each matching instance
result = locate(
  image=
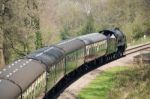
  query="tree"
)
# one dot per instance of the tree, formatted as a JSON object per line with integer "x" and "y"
{"x": 19, "y": 21}
{"x": 65, "y": 33}
{"x": 38, "y": 40}
{"x": 89, "y": 26}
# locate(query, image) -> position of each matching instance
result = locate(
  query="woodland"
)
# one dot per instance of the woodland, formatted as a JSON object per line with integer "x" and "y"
{"x": 27, "y": 25}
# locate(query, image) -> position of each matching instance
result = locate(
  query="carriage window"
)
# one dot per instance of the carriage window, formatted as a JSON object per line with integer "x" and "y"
{"x": 82, "y": 52}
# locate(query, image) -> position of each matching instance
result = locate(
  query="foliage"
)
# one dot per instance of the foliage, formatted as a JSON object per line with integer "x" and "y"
{"x": 89, "y": 26}
{"x": 83, "y": 17}
{"x": 139, "y": 41}
{"x": 19, "y": 21}
{"x": 62, "y": 19}
{"x": 65, "y": 33}
{"x": 38, "y": 40}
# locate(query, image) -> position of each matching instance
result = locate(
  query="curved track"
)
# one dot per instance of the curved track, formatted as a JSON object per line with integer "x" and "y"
{"x": 137, "y": 48}
{"x": 77, "y": 74}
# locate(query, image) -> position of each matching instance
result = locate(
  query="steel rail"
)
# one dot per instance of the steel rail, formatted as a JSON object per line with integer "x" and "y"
{"x": 128, "y": 49}
{"x": 137, "y": 48}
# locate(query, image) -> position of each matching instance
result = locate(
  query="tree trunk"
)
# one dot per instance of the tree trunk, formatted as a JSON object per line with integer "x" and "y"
{"x": 2, "y": 60}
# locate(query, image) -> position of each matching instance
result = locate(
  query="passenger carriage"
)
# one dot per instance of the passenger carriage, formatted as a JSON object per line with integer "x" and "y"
{"x": 41, "y": 70}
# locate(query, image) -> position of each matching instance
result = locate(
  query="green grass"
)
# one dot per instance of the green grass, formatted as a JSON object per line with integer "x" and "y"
{"x": 139, "y": 41}
{"x": 132, "y": 84}
{"x": 100, "y": 87}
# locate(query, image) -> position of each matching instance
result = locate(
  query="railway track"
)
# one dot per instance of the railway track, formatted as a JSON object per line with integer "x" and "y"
{"x": 90, "y": 68}
{"x": 137, "y": 48}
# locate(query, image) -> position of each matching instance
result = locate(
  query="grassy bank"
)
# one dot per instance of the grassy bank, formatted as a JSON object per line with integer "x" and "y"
{"x": 132, "y": 84}
{"x": 139, "y": 41}
{"x": 100, "y": 87}
{"x": 120, "y": 83}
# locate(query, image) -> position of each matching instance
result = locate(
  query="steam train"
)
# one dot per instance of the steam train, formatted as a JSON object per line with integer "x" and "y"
{"x": 40, "y": 71}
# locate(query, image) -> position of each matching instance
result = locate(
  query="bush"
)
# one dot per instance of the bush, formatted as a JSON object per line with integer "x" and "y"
{"x": 38, "y": 40}
{"x": 65, "y": 33}
{"x": 89, "y": 26}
